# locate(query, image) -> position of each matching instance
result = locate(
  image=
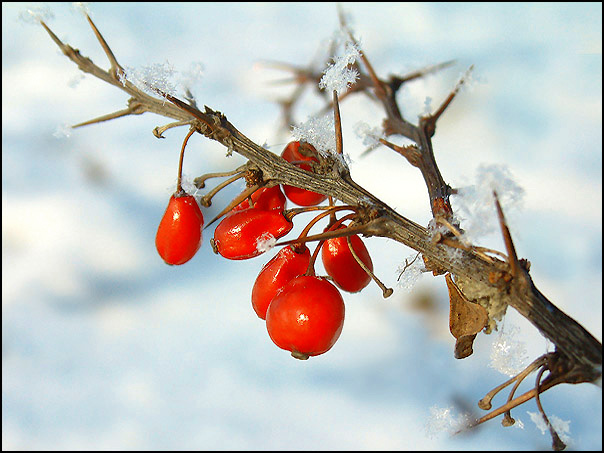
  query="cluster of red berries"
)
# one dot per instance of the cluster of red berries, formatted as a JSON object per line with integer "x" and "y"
{"x": 304, "y": 313}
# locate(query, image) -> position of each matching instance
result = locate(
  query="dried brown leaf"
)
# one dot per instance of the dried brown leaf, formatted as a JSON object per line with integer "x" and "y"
{"x": 466, "y": 319}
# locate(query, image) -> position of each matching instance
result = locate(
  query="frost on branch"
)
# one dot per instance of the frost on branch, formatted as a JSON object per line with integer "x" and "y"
{"x": 560, "y": 426}
{"x": 83, "y": 7}
{"x": 63, "y": 130}
{"x": 319, "y": 132}
{"x": 161, "y": 76}
{"x": 471, "y": 80}
{"x": 191, "y": 76}
{"x": 410, "y": 272}
{"x": 509, "y": 355}
{"x": 157, "y": 76}
{"x": 445, "y": 420}
{"x": 474, "y": 204}
{"x": 341, "y": 75}
{"x": 370, "y": 135}
{"x": 36, "y": 15}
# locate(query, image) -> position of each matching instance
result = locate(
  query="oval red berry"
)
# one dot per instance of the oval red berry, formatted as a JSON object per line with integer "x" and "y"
{"x": 290, "y": 262}
{"x": 341, "y": 265}
{"x": 179, "y": 234}
{"x": 296, "y": 152}
{"x": 240, "y": 235}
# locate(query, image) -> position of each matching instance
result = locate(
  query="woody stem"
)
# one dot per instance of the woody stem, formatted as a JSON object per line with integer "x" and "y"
{"x": 331, "y": 212}
{"x": 200, "y": 181}
{"x": 386, "y": 292}
{"x": 313, "y": 258}
{"x": 182, "y": 155}
{"x": 206, "y": 200}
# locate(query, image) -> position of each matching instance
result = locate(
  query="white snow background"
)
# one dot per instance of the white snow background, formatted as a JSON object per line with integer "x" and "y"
{"x": 106, "y": 347}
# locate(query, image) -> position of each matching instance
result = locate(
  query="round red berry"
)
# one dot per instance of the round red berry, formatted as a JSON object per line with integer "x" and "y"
{"x": 306, "y": 316}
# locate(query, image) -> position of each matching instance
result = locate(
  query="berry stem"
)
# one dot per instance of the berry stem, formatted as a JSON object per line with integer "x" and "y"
{"x": 206, "y": 200}
{"x": 557, "y": 443}
{"x": 179, "y": 189}
{"x": 485, "y": 403}
{"x": 331, "y": 212}
{"x": 387, "y": 292}
{"x": 348, "y": 231}
{"x": 234, "y": 202}
{"x": 332, "y": 216}
{"x": 311, "y": 264}
{"x": 291, "y": 213}
{"x": 200, "y": 181}
{"x": 313, "y": 258}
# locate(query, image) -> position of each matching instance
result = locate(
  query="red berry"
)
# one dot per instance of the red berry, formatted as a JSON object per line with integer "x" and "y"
{"x": 179, "y": 233}
{"x": 295, "y": 152}
{"x": 340, "y": 265}
{"x": 306, "y": 317}
{"x": 238, "y": 235}
{"x": 290, "y": 262}
{"x": 265, "y": 198}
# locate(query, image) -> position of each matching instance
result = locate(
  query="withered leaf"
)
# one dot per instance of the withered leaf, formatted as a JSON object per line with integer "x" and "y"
{"x": 463, "y": 346}
{"x": 466, "y": 319}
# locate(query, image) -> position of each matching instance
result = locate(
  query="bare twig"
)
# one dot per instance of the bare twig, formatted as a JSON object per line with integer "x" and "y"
{"x": 578, "y": 353}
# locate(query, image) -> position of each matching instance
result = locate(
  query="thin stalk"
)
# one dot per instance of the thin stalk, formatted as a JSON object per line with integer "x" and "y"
{"x": 386, "y": 292}
{"x": 179, "y": 188}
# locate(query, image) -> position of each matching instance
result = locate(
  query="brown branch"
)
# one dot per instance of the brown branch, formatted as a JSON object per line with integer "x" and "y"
{"x": 507, "y": 238}
{"x": 397, "y": 81}
{"x": 140, "y": 101}
{"x": 579, "y": 353}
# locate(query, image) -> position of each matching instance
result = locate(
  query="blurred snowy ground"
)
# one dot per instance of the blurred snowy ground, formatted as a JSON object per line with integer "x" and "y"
{"x": 106, "y": 347}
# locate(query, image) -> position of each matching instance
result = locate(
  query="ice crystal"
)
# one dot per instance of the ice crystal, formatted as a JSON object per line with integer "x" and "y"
{"x": 444, "y": 420}
{"x": 265, "y": 242}
{"x": 63, "y": 131}
{"x": 157, "y": 76}
{"x": 471, "y": 80}
{"x": 509, "y": 355}
{"x": 83, "y": 7}
{"x": 410, "y": 272}
{"x": 340, "y": 75}
{"x": 75, "y": 80}
{"x": 318, "y": 131}
{"x": 561, "y": 427}
{"x": 427, "y": 106}
{"x": 370, "y": 136}
{"x": 35, "y": 15}
{"x": 191, "y": 76}
{"x": 476, "y": 204}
